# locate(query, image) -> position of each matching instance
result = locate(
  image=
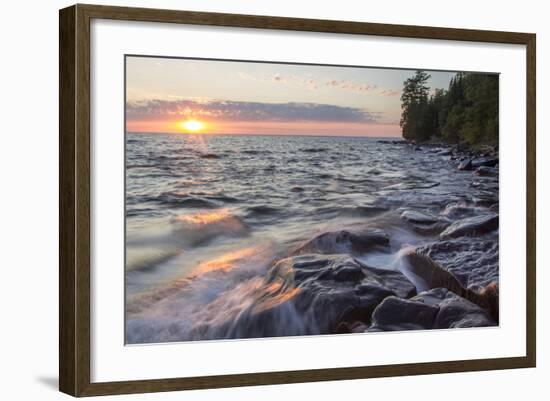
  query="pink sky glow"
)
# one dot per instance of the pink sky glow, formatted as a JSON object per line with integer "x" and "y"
{"x": 271, "y": 128}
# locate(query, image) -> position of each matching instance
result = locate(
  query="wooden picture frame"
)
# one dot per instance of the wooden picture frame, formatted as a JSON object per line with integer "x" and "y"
{"x": 74, "y": 199}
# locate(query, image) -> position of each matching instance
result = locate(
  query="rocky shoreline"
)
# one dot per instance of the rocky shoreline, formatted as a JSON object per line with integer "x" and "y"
{"x": 337, "y": 293}
{"x": 481, "y": 160}
{"x": 451, "y": 282}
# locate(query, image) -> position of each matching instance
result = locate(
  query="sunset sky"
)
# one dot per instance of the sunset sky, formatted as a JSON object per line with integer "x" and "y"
{"x": 227, "y": 97}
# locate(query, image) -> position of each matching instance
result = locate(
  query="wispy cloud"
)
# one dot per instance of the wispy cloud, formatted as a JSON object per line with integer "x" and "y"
{"x": 353, "y": 86}
{"x": 311, "y": 83}
{"x": 389, "y": 92}
{"x": 228, "y": 110}
{"x": 314, "y": 84}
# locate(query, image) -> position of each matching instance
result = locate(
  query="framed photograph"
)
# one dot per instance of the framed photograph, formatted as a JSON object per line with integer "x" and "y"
{"x": 250, "y": 200}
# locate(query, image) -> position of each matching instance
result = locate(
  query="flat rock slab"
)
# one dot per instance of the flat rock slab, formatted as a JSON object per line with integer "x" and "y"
{"x": 305, "y": 269}
{"x": 471, "y": 226}
{"x": 473, "y": 262}
{"x": 485, "y": 162}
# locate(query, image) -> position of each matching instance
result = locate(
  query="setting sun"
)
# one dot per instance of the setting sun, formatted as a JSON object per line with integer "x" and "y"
{"x": 192, "y": 125}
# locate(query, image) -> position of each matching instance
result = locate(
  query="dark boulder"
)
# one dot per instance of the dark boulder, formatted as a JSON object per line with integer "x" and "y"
{"x": 465, "y": 165}
{"x": 457, "y": 312}
{"x": 344, "y": 241}
{"x": 311, "y": 294}
{"x": 438, "y": 308}
{"x": 487, "y": 171}
{"x": 341, "y": 268}
{"x": 403, "y": 314}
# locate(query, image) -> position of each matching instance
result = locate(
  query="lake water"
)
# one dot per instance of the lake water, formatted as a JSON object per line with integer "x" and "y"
{"x": 207, "y": 216}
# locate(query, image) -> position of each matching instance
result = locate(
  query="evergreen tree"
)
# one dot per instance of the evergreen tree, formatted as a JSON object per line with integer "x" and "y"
{"x": 414, "y": 102}
{"x": 466, "y": 112}
{"x": 481, "y": 110}
{"x": 437, "y": 112}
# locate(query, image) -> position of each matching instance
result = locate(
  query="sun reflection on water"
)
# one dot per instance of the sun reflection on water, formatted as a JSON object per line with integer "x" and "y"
{"x": 227, "y": 261}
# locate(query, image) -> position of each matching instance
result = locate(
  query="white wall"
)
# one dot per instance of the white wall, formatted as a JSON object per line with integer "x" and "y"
{"x": 28, "y": 200}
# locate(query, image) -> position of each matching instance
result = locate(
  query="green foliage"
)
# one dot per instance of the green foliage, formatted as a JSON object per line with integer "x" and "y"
{"x": 466, "y": 112}
{"x": 414, "y": 105}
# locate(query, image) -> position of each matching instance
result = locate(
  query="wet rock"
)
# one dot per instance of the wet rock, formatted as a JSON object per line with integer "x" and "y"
{"x": 429, "y": 274}
{"x": 343, "y": 268}
{"x": 465, "y": 165}
{"x": 380, "y": 280}
{"x": 346, "y": 273}
{"x": 471, "y": 226}
{"x": 487, "y": 171}
{"x": 318, "y": 278}
{"x": 345, "y": 242}
{"x": 459, "y": 210}
{"x": 343, "y": 328}
{"x": 418, "y": 217}
{"x": 438, "y": 308}
{"x": 457, "y": 312}
{"x": 312, "y": 294}
{"x": 358, "y": 327}
{"x": 473, "y": 262}
{"x": 484, "y": 162}
{"x": 486, "y": 185}
{"x": 403, "y": 314}
{"x": 394, "y": 142}
{"x": 485, "y": 199}
{"x": 445, "y": 152}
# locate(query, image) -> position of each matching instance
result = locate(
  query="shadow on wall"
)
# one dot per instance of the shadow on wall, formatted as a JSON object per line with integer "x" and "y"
{"x": 49, "y": 381}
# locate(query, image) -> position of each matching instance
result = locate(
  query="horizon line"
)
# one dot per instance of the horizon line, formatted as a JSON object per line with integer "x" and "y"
{"x": 242, "y": 134}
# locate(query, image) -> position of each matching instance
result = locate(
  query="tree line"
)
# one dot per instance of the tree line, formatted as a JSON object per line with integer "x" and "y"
{"x": 466, "y": 112}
